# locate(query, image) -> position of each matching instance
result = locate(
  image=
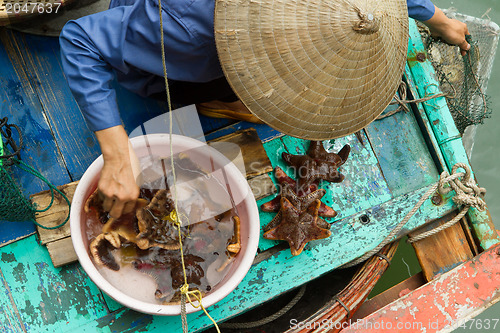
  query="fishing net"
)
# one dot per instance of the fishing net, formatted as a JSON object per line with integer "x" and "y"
{"x": 13, "y": 205}
{"x": 464, "y": 79}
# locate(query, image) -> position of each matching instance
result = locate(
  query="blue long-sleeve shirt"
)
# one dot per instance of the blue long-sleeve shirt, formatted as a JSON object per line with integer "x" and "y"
{"x": 124, "y": 41}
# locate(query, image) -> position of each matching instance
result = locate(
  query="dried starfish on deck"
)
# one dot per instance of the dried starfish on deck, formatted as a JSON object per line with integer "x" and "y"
{"x": 298, "y": 227}
{"x": 317, "y": 164}
{"x": 301, "y": 204}
{"x": 317, "y": 151}
{"x": 302, "y": 197}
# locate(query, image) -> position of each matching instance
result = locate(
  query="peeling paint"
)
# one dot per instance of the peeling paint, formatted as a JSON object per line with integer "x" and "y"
{"x": 18, "y": 272}
{"x": 8, "y": 257}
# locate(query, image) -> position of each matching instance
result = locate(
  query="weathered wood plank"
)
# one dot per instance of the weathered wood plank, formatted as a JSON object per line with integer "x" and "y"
{"x": 402, "y": 152}
{"x": 62, "y": 252}
{"x": 244, "y": 144}
{"x": 425, "y": 80}
{"x": 76, "y": 142}
{"x": 425, "y": 124}
{"x": 10, "y": 319}
{"x": 464, "y": 222}
{"x": 123, "y": 320}
{"x": 262, "y": 186}
{"x": 48, "y": 299}
{"x": 389, "y": 296}
{"x": 443, "y": 251}
{"x": 56, "y": 214}
{"x": 22, "y": 106}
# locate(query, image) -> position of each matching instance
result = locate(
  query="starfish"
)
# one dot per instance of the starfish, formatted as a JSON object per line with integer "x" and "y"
{"x": 317, "y": 151}
{"x": 317, "y": 164}
{"x": 301, "y": 204}
{"x": 302, "y": 196}
{"x": 298, "y": 227}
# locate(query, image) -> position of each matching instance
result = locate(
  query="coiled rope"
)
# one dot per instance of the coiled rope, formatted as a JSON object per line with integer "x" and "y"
{"x": 467, "y": 194}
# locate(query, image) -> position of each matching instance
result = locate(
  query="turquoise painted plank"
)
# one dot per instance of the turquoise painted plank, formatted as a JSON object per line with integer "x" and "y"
{"x": 426, "y": 125}
{"x": 21, "y": 105}
{"x": 111, "y": 303}
{"x": 125, "y": 320}
{"x": 10, "y": 320}
{"x": 282, "y": 272}
{"x": 425, "y": 79}
{"x": 47, "y": 299}
{"x": 445, "y": 130}
{"x": 363, "y": 187}
{"x": 402, "y": 152}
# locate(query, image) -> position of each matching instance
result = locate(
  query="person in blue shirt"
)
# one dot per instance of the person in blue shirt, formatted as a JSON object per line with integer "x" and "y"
{"x": 124, "y": 42}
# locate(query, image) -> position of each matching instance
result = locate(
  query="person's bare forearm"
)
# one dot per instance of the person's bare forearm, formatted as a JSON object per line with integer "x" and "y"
{"x": 450, "y": 30}
{"x": 117, "y": 182}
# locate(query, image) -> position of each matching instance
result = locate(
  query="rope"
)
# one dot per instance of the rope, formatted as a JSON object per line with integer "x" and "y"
{"x": 402, "y": 101}
{"x": 7, "y": 134}
{"x": 270, "y": 318}
{"x": 29, "y": 169}
{"x": 174, "y": 217}
{"x": 467, "y": 194}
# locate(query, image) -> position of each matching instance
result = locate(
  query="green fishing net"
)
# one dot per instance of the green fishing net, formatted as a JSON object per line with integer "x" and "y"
{"x": 464, "y": 79}
{"x": 13, "y": 205}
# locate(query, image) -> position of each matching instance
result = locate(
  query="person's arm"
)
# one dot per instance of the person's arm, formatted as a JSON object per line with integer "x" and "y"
{"x": 88, "y": 46}
{"x": 118, "y": 176}
{"x": 450, "y": 30}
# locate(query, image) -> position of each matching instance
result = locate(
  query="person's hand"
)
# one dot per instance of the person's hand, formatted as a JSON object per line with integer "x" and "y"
{"x": 117, "y": 183}
{"x": 449, "y": 30}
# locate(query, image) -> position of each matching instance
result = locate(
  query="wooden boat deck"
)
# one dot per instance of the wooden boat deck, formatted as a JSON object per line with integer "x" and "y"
{"x": 388, "y": 171}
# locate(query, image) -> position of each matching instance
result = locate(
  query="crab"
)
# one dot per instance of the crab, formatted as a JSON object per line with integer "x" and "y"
{"x": 148, "y": 226}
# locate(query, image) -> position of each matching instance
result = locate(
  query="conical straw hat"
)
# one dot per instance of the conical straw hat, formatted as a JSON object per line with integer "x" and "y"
{"x": 313, "y": 69}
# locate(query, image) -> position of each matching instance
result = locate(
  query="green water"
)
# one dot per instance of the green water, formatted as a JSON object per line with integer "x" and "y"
{"x": 485, "y": 162}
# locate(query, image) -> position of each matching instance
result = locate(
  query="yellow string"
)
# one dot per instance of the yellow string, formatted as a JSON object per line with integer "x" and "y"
{"x": 174, "y": 217}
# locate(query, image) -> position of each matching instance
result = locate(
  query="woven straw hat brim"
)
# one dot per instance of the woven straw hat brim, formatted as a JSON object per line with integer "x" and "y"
{"x": 313, "y": 69}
